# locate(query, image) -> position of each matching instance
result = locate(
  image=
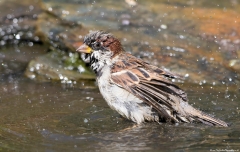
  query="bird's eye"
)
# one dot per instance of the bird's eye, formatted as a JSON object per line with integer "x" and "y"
{"x": 97, "y": 44}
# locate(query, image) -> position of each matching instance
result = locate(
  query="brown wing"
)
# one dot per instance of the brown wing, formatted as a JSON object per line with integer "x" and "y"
{"x": 150, "y": 84}
{"x": 127, "y": 61}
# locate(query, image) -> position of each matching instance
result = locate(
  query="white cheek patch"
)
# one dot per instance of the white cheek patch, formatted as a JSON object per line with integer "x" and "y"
{"x": 100, "y": 59}
{"x": 85, "y": 57}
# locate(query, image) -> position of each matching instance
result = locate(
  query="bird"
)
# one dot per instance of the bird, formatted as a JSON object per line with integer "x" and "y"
{"x": 137, "y": 90}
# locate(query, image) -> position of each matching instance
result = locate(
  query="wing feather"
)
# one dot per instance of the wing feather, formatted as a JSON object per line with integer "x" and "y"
{"x": 143, "y": 94}
{"x": 152, "y": 85}
{"x": 153, "y": 88}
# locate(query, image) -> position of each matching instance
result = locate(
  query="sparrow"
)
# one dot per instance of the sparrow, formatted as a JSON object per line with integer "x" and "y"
{"x": 136, "y": 89}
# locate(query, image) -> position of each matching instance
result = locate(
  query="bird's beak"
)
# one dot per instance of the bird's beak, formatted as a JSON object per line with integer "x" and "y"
{"x": 84, "y": 49}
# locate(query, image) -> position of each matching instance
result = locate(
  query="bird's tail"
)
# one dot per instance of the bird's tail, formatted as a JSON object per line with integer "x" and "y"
{"x": 207, "y": 119}
{"x": 193, "y": 114}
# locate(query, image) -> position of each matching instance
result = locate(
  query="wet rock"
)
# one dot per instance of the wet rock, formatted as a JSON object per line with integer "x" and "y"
{"x": 63, "y": 36}
{"x": 28, "y": 23}
{"x": 58, "y": 65}
{"x": 59, "y": 33}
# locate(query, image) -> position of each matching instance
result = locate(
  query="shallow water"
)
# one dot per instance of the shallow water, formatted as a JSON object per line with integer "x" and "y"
{"x": 59, "y": 117}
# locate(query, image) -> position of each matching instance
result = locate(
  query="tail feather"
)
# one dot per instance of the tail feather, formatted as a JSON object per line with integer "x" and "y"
{"x": 205, "y": 118}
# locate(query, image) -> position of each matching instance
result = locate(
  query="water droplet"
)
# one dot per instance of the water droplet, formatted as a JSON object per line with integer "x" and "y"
{"x": 181, "y": 36}
{"x": 60, "y": 76}
{"x": 32, "y": 76}
{"x": 125, "y": 22}
{"x": 2, "y": 42}
{"x": 31, "y": 69}
{"x": 163, "y": 26}
{"x": 15, "y": 20}
{"x": 178, "y": 49}
{"x": 65, "y": 12}
{"x": 31, "y": 7}
{"x": 9, "y": 16}
{"x": 17, "y": 36}
{"x": 211, "y": 59}
{"x": 29, "y": 101}
{"x": 81, "y": 69}
{"x": 36, "y": 38}
{"x": 85, "y": 120}
{"x": 30, "y": 44}
{"x": 50, "y": 9}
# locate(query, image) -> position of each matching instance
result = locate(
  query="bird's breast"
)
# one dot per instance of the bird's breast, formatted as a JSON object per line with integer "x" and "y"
{"x": 122, "y": 101}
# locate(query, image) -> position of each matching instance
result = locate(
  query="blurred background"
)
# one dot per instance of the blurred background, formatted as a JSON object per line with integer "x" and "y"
{"x": 48, "y": 97}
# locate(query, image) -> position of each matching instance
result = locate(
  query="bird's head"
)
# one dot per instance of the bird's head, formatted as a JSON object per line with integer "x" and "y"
{"x": 99, "y": 45}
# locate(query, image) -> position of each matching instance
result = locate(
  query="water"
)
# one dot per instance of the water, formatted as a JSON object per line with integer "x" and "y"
{"x": 58, "y": 117}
